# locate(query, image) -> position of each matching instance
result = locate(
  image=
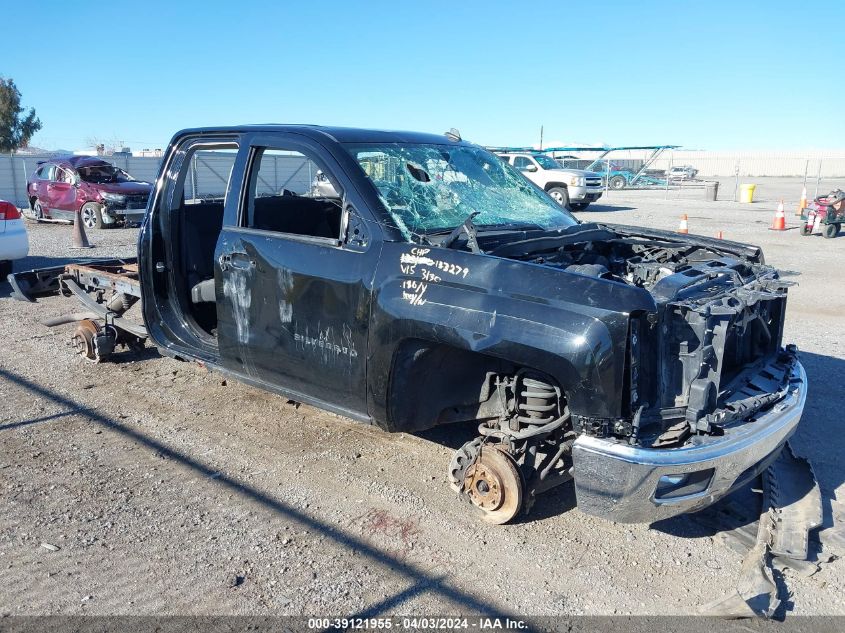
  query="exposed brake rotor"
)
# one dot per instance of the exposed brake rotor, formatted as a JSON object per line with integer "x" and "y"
{"x": 92, "y": 342}
{"x": 83, "y": 337}
{"x": 490, "y": 479}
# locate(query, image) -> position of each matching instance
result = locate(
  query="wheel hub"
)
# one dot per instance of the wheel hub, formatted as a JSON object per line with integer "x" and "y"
{"x": 484, "y": 487}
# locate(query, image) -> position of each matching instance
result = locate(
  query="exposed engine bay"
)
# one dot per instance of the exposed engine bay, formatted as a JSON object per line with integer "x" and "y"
{"x": 632, "y": 258}
{"x": 718, "y": 321}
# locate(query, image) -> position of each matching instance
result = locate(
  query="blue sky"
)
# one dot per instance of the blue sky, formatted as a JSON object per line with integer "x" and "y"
{"x": 711, "y": 75}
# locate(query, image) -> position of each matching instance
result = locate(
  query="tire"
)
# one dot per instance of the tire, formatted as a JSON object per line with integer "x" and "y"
{"x": 37, "y": 211}
{"x": 805, "y": 230}
{"x": 559, "y": 195}
{"x": 831, "y": 230}
{"x": 92, "y": 216}
{"x": 5, "y": 269}
{"x": 617, "y": 182}
{"x": 579, "y": 206}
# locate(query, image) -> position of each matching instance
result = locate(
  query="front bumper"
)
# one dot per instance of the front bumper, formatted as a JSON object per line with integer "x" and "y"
{"x": 630, "y": 484}
{"x": 584, "y": 194}
{"x": 112, "y": 215}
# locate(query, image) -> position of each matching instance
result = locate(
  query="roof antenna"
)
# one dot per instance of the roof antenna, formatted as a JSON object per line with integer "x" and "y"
{"x": 453, "y": 134}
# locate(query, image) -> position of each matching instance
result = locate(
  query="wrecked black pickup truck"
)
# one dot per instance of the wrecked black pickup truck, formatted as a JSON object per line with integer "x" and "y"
{"x": 411, "y": 280}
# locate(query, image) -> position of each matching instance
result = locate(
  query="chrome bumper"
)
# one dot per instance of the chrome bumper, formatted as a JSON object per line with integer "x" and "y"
{"x": 629, "y": 484}
{"x": 580, "y": 194}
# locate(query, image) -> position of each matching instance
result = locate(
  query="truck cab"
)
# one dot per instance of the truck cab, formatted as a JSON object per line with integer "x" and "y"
{"x": 572, "y": 188}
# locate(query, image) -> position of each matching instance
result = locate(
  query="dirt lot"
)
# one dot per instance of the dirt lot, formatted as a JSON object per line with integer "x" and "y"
{"x": 152, "y": 486}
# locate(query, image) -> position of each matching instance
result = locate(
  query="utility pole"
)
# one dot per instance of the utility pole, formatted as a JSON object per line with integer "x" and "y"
{"x": 541, "y": 137}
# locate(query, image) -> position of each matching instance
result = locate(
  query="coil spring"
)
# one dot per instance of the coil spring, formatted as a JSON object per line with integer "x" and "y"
{"x": 537, "y": 401}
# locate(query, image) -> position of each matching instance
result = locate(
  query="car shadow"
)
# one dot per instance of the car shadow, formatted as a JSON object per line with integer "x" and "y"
{"x": 605, "y": 208}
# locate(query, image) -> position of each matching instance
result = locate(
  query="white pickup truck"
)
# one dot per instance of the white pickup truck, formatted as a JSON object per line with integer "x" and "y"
{"x": 573, "y": 188}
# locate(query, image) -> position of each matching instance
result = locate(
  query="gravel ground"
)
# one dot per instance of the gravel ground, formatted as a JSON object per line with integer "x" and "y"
{"x": 149, "y": 486}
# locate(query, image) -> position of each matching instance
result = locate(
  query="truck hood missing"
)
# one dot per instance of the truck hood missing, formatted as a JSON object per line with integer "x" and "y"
{"x": 694, "y": 357}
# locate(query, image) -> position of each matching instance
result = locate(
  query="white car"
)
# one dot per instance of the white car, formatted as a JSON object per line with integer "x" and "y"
{"x": 682, "y": 172}
{"x": 14, "y": 243}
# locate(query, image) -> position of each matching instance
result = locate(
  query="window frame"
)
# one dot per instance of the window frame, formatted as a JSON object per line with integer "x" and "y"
{"x": 45, "y": 172}
{"x": 530, "y": 162}
{"x": 257, "y": 146}
{"x": 63, "y": 170}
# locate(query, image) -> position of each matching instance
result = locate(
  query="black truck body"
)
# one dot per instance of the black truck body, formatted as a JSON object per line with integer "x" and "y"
{"x": 646, "y": 365}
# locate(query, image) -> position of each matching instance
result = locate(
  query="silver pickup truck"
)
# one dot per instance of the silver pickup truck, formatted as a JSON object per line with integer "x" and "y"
{"x": 573, "y": 188}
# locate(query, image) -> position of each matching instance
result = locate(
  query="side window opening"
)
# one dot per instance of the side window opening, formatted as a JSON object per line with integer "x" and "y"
{"x": 522, "y": 162}
{"x": 63, "y": 175}
{"x": 292, "y": 192}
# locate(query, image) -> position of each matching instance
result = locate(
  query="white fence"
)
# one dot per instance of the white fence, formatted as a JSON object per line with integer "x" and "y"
{"x": 812, "y": 163}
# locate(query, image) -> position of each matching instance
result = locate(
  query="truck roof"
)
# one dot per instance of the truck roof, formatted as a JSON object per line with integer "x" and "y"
{"x": 338, "y": 134}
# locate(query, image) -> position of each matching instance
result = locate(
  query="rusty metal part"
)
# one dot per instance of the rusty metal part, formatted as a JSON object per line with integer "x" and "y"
{"x": 119, "y": 322}
{"x": 494, "y": 485}
{"x": 120, "y": 277}
{"x": 484, "y": 487}
{"x": 73, "y": 317}
{"x": 82, "y": 340}
{"x": 93, "y": 342}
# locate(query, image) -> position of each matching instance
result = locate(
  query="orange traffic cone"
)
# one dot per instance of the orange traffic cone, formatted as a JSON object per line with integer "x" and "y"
{"x": 684, "y": 227}
{"x": 802, "y": 204}
{"x": 779, "y": 223}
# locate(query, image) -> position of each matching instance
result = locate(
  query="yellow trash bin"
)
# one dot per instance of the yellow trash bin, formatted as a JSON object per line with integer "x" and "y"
{"x": 746, "y": 193}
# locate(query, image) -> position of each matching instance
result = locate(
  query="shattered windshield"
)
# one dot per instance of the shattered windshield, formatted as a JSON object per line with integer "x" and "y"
{"x": 103, "y": 174}
{"x": 432, "y": 188}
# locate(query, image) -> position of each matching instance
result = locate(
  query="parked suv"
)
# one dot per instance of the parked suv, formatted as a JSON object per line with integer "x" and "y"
{"x": 573, "y": 188}
{"x": 104, "y": 194}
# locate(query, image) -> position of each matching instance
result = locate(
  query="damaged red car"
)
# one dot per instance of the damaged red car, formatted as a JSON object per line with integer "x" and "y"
{"x": 103, "y": 194}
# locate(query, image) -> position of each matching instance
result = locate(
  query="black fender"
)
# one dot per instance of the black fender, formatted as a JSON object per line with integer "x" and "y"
{"x": 569, "y": 326}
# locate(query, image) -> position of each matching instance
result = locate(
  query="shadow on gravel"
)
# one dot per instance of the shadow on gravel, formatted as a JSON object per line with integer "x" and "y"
{"x": 606, "y": 208}
{"x": 421, "y": 581}
{"x": 46, "y": 418}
